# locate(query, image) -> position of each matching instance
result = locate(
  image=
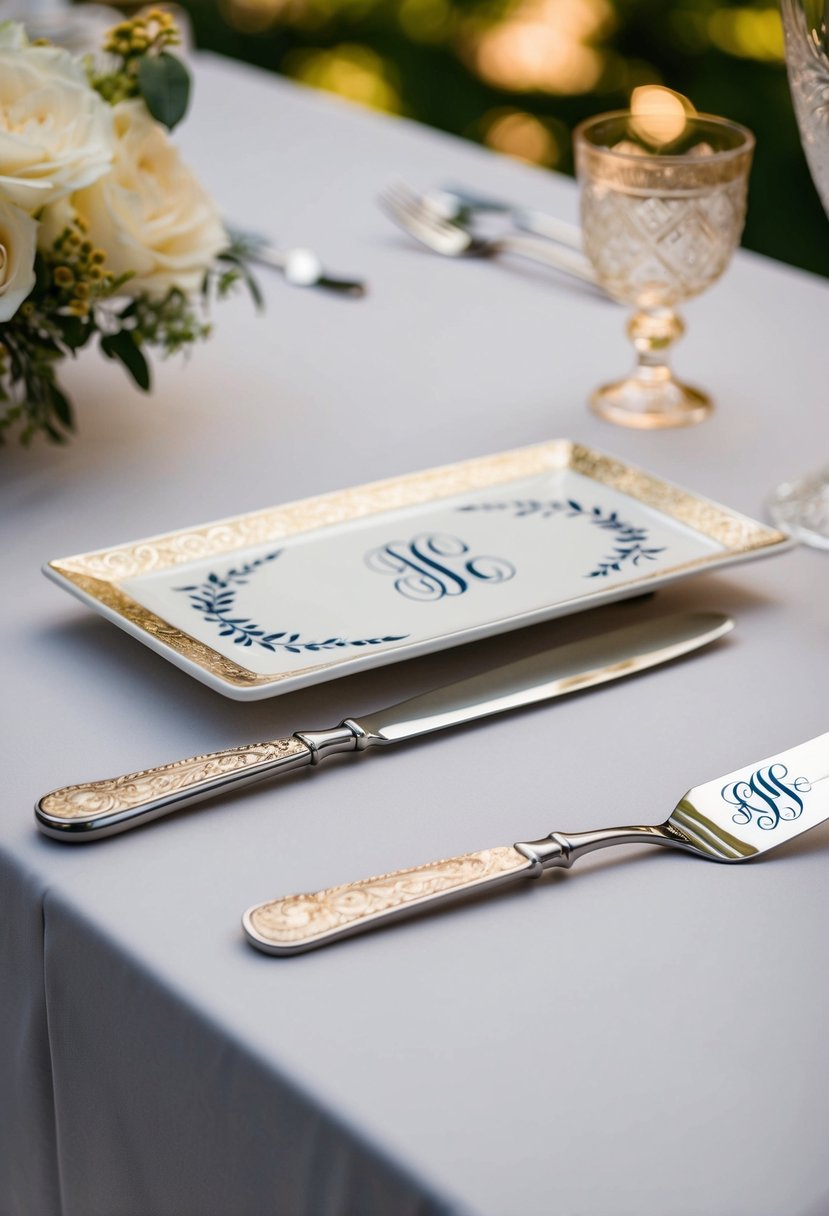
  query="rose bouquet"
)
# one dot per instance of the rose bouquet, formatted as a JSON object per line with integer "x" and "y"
{"x": 105, "y": 234}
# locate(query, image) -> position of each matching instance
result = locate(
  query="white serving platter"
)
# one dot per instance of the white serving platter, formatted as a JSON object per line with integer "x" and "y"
{"x": 272, "y": 601}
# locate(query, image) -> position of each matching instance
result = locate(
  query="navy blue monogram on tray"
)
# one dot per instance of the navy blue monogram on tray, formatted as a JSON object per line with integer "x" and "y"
{"x": 215, "y": 599}
{"x": 766, "y": 797}
{"x": 631, "y": 540}
{"x": 432, "y": 566}
{"x": 435, "y": 565}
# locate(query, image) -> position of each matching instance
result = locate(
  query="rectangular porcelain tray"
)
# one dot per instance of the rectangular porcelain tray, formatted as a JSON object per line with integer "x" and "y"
{"x": 264, "y": 603}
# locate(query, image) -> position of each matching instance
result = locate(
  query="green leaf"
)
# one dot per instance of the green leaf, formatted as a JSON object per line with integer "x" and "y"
{"x": 165, "y": 86}
{"x": 62, "y": 408}
{"x": 43, "y": 275}
{"x": 48, "y": 347}
{"x": 75, "y": 331}
{"x": 52, "y": 431}
{"x": 121, "y": 346}
{"x": 237, "y": 260}
{"x": 15, "y": 361}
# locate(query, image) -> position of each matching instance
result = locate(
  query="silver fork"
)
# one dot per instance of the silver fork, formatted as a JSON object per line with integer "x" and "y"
{"x": 420, "y": 219}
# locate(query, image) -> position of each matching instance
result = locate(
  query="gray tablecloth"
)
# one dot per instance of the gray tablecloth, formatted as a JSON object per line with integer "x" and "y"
{"x": 643, "y": 1035}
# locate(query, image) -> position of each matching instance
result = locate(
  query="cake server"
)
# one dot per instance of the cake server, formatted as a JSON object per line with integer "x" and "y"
{"x": 101, "y": 808}
{"x": 733, "y": 818}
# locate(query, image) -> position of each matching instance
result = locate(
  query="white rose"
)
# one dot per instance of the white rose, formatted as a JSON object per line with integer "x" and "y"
{"x": 149, "y": 214}
{"x": 55, "y": 131}
{"x": 18, "y": 240}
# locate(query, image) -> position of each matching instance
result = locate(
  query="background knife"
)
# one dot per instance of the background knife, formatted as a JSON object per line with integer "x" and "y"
{"x": 102, "y": 808}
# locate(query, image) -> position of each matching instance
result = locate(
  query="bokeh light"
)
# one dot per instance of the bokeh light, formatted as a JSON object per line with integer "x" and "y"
{"x": 749, "y": 33}
{"x": 521, "y": 135}
{"x": 353, "y": 71}
{"x": 544, "y": 45}
{"x": 426, "y": 20}
{"x": 659, "y": 114}
{"x": 252, "y": 16}
{"x": 518, "y": 75}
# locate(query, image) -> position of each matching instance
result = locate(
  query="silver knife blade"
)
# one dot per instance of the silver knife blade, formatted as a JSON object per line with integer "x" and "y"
{"x": 552, "y": 673}
{"x": 460, "y": 204}
{"x": 95, "y": 809}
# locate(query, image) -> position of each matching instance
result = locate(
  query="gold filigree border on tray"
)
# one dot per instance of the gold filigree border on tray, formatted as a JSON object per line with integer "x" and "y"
{"x": 307, "y": 514}
{"x": 736, "y": 533}
{"x": 155, "y": 627}
{"x": 97, "y": 574}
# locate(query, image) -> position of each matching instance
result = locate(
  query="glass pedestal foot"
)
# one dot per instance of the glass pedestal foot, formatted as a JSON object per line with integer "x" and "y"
{"x": 647, "y": 404}
{"x": 801, "y": 508}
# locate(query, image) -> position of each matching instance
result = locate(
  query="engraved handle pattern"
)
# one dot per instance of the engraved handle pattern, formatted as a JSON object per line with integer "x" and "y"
{"x": 167, "y": 786}
{"x": 301, "y": 922}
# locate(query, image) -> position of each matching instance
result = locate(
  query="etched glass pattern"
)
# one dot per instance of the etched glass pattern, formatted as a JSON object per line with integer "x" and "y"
{"x": 655, "y": 252}
{"x": 807, "y": 60}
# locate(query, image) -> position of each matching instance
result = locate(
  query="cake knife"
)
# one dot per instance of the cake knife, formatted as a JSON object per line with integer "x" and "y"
{"x": 101, "y": 808}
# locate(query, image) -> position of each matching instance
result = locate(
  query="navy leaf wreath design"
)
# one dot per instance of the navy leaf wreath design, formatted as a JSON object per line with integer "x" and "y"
{"x": 215, "y": 600}
{"x": 630, "y": 539}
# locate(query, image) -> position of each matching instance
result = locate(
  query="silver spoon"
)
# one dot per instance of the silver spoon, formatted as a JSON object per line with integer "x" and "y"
{"x": 301, "y": 267}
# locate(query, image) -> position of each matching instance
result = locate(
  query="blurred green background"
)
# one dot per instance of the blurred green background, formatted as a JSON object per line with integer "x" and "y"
{"x": 518, "y": 75}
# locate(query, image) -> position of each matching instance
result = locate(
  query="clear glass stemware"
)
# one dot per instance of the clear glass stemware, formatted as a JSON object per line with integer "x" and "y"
{"x": 661, "y": 218}
{"x": 801, "y": 507}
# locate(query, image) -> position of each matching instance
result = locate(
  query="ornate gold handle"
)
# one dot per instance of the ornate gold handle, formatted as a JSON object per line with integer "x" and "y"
{"x": 101, "y": 808}
{"x": 302, "y": 922}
